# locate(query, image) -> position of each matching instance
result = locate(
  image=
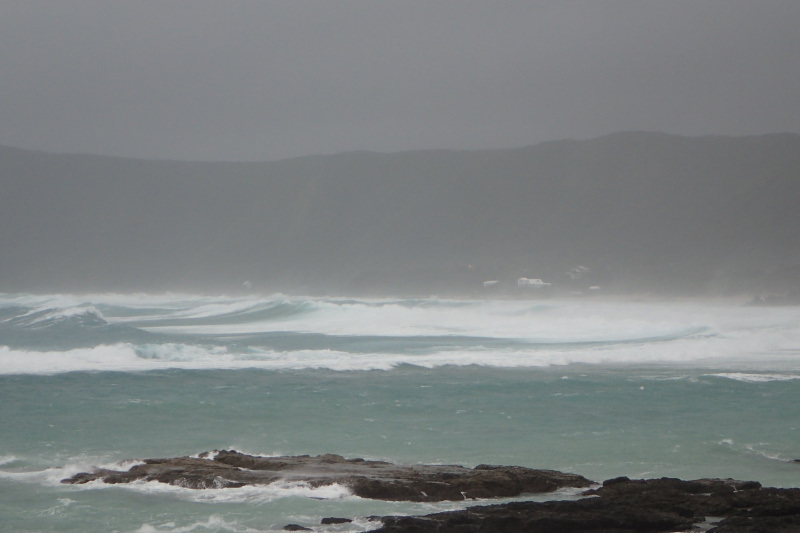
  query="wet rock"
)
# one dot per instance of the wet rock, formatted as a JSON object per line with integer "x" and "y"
{"x": 334, "y": 520}
{"x": 367, "y": 479}
{"x": 758, "y": 524}
{"x": 296, "y": 527}
{"x": 622, "y": 505}
{"x": 547, "y": 517}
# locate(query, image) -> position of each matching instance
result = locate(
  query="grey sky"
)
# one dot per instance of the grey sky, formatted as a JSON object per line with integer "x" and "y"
{"x": 261, "y": 80}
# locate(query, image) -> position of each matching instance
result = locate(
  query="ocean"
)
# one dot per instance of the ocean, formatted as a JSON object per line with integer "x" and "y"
{"x": 601, "y": 388}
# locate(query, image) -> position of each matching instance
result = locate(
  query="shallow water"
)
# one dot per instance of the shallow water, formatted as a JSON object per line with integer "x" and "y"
{"x": 602, "y": 389}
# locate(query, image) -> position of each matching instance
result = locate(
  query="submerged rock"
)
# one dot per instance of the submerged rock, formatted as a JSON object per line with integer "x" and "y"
{"x": 367, "y": 479}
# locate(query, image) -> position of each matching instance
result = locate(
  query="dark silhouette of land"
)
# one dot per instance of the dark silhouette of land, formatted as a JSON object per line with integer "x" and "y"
{"x": 639, "y": 211}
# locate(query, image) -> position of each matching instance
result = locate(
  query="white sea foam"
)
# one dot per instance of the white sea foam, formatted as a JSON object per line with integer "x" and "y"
{"x": 36, "y": 315}
{"x": 68, "y": 312}
{"x": 257, "y": 494}
{"x": 761, "y": 449}
{"x": 765, "y": 350}
{"x": 169, "y": 304}
{"x": 557, "y": 322}
{"x": 121, "y": 357}
{"x": 59, "y": 509}
{"x": 539, "y": 335}
{"x": 756, "y": 378}
{"x": 216, "y": 309}
{"x": 213, "y": 523}
{"x": 52, "y": 476}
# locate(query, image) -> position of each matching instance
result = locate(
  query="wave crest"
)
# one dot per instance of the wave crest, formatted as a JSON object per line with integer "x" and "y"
{"x": 137, "y": 333}
{"x": 81, "y": 316}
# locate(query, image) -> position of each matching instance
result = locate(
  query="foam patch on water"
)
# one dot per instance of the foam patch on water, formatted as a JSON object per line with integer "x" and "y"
{"x": 52, "y": 476}
{"x": 214, "y": 523}
{"x": 729, "y": 353}
{"x": 119, "y": 357}
{"x": 253, "y": 494}
{"x": 212, "y": 454}
{"x": 762, "y": 449}
{"x": 258, "y": 494}
{"x": 756, "y": 378}
{"x": 126, "y": 357}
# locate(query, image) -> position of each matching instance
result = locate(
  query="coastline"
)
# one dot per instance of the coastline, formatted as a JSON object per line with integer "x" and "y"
{"x": 591, "y": 386}
{"x": 617, "y": 505}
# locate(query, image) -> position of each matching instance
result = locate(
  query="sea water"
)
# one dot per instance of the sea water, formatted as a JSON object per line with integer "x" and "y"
{"x": 599, "y": 388}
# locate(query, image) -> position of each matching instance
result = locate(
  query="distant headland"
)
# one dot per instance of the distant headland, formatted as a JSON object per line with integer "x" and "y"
{"x": 623, "y": 213}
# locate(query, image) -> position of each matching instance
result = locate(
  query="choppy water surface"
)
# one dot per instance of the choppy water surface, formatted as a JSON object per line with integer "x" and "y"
{"x": 683, "y": 389}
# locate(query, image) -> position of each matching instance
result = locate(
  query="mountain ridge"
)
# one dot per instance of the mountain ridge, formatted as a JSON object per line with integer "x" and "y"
{"x": 642, "y": 210}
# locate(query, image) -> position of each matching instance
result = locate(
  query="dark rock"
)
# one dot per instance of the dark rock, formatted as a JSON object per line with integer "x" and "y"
{"x": 621, "y": 479}
{"x": 548, "y": 517}
{"x": 367, "y": 479}
{"x": 758, "y": 524}
{"x": 334, "y": 520}
{"x": 622, "y": 505}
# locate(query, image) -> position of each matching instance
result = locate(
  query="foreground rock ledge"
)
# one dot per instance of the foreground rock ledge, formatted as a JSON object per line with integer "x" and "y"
{"x": 626, "y": 506}
{"x": 368, "y": 479}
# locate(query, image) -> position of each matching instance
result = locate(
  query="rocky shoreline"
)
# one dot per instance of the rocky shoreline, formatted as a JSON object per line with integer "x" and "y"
{"x": 376, "y": 480}
{"x": 623, "y": 505}
{"x": 619, "y": 505}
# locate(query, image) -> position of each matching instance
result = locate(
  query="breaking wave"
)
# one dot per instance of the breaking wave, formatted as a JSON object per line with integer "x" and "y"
{"x": 84, "y": 316}
{"x": 64, "y": 333}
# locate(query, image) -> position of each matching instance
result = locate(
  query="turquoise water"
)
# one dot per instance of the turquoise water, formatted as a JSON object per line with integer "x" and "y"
{"x": 684, "y": 389}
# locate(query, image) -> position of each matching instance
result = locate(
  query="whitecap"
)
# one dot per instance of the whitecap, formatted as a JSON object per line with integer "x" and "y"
{"x": 755, "y": 378}
{"x": 560, "y": 333}
{"x": 761, "y": 449}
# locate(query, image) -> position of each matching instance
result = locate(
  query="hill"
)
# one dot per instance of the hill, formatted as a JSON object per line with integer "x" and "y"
{"x": 640, "y": 211}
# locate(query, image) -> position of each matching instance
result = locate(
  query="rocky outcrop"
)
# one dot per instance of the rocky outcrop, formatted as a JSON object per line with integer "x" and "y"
{"x": 622, "y": 505}
{"x": 334, "y": 520}
{"x": 367, "y": 479}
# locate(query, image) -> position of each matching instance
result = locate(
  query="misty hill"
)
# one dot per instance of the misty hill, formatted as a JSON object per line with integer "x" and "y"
{"x": 642, "y": 211}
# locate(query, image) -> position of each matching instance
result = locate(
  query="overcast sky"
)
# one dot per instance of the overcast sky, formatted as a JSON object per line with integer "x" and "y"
{"x": 260, "y": 80}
